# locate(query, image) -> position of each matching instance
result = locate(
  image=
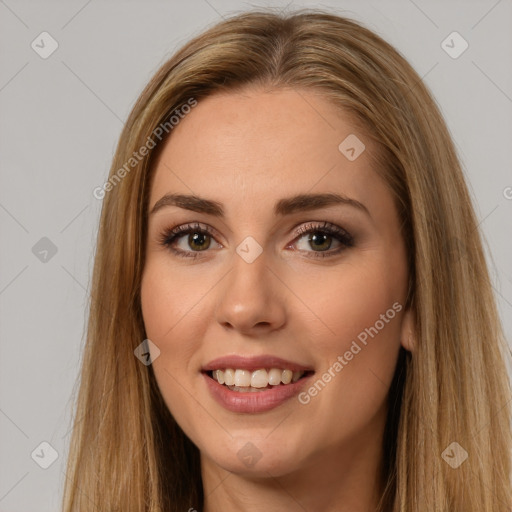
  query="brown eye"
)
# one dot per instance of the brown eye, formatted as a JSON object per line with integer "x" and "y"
{"x": 321, "y": 241}
{"x": 198, "y": 240}
{"x": 320, "y": 237}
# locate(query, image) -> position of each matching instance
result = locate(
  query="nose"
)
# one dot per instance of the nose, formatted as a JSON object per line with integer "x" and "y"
{"x": 252, "y": 297}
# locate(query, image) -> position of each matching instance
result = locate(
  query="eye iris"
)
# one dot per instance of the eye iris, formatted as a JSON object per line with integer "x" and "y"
{"x": 193, "y": 238}
{"x": 321, "y": 238}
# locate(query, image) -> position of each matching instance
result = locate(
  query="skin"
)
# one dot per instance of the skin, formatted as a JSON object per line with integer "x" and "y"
{"x": 247, "y": 150}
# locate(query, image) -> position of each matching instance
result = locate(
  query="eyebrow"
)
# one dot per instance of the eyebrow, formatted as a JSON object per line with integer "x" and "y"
{"x": 286, "y": 206}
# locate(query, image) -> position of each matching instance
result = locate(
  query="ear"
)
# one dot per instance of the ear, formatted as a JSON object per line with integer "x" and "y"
{"x": 408, "y": 330}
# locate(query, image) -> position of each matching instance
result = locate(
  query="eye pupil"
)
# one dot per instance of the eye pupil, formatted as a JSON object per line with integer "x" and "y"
{"x": 199, "y": 240}
{"x": 321, "y": 238}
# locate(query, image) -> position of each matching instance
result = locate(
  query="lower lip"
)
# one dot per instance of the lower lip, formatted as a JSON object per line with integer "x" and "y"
{"x": 253, "y": 402}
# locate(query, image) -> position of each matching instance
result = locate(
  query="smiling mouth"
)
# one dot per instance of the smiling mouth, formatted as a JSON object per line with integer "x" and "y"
{"x": 246, "y": 381}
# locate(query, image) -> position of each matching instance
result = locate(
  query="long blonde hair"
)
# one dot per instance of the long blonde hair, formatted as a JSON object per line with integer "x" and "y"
{"x": 127, "y": 452}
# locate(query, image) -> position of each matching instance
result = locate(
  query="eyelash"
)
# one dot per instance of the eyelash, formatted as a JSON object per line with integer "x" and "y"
{"x": 168, "y": 237}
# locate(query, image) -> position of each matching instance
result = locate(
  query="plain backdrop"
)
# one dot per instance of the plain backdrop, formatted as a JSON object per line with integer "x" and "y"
{"x": 60, "y": 120}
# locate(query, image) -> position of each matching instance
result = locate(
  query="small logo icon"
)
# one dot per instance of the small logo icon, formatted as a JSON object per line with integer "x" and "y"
{"x": 249, "y": 249}
{"x": 249, "y": 454}
{"x": 351, "y": 147}
{"x": 44, "y": 250}
{"x": 44, "y": 455}
{"x": 454, "y": 45}
{"x": 147, "y": 352}
{"x": 454, "y": 455}
{"x": 44, "y": 45}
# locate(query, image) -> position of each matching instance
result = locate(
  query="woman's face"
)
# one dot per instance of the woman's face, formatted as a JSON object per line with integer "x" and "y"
{"x": 294, "y": 266}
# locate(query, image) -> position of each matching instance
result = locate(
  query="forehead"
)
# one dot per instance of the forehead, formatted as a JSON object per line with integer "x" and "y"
{"x": 257, "y": 146}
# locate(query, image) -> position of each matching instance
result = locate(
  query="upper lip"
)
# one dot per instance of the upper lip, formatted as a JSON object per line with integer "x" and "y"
{"x": 253, "y": 363}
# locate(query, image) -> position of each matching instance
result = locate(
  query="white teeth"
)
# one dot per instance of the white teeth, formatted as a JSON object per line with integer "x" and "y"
{"x": 257, "y": 379}
{"x": 242, "y": 378}
{"x": 274, "y": 377}
{"x": 229, "y": 376}
{"x": 219, "y": 376}
{"x": 286, "y": 376}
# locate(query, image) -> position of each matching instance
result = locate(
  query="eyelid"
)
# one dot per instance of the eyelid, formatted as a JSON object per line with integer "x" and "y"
{"x": 325, "y": 226}
{"x": 183, "y": 229}
{"x": 168, "y": 236}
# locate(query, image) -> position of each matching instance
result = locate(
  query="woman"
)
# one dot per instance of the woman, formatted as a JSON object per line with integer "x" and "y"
{"x": 290, "y": 304}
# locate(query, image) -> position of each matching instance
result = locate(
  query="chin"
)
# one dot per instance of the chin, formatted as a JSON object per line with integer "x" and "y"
{"x": 250, "y": 457}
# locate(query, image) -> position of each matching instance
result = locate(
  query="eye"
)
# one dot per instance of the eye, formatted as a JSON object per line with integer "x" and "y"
{"x": 198, "y": 238}
{"x": 319, "y": 236}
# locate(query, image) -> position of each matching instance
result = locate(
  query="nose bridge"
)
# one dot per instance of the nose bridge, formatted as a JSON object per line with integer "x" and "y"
{"x": 250, "y": 267}
{"x": 249, "y": 296}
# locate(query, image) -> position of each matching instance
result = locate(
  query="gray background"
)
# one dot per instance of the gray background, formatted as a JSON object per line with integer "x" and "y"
{"x": 60, "y": 121}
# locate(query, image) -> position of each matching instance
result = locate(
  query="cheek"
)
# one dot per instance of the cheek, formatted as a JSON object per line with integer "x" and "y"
{"x": 358, "y": 352}
{"x": 175, "y": 323}
{"x": 356, "y": 299}
{"x": 169, "y": 301}
{"x": 164, "y": 313}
